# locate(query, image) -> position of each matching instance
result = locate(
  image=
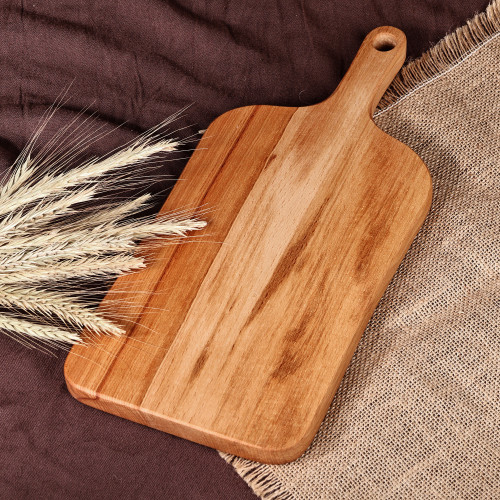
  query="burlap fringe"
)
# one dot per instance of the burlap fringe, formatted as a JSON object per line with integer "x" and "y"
{"x": 263, "y": 482}
{"x": 446, "y": 54}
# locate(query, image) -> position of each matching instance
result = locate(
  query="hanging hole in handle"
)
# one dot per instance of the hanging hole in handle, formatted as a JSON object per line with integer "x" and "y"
{"x": 384, "y": 42}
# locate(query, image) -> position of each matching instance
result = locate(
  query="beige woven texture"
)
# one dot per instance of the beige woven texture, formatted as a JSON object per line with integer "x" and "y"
{"x": 417, "y": 413}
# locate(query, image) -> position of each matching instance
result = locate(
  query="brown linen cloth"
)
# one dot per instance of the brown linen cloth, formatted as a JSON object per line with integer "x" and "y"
{"x": 139, "y": 61}
{"x": 418, "y": 412}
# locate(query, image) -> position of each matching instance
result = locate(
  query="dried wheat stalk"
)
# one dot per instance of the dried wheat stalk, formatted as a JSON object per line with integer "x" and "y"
{"x": 47, "y": 241}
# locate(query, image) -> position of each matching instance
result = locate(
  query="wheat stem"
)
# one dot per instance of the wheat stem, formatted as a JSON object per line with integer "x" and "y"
{"x": 47, "y": 241}
{"x": 38, "y": 331}
{"x": 54, "y": 185}
{"x": 77, "y": 268}
{"x": 19, "y": 176}
{"x": 43, "y": 212}
{"x": 52, "y": 304}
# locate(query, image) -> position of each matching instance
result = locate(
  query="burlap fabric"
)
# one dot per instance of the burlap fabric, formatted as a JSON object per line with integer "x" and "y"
{"x": 417, "y": 414}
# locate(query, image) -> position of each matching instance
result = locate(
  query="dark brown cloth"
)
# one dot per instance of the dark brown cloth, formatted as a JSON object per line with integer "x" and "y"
{"x": 138, "y": 62}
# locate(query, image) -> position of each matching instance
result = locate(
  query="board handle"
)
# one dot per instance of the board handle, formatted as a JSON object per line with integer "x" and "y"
{"x": 377, "y": 62}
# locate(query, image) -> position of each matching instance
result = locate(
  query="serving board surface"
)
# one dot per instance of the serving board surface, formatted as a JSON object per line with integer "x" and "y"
{"x": 239, "y": 341}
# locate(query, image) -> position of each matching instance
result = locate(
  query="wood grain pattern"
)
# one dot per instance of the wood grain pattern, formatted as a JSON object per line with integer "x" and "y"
{"x": 240, "y": 342}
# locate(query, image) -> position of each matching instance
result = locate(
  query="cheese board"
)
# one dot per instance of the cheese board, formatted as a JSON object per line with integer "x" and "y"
{"x": 240, "y": 341}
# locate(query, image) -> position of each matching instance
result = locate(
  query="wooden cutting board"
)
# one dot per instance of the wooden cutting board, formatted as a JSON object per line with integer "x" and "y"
{"x": 239, "y": 342}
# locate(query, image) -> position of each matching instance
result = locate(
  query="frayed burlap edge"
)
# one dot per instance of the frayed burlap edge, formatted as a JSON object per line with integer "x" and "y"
{"x": 437, "y": 61}
{"x": 263, "y": 482}
{"x": 442, "y": 57}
